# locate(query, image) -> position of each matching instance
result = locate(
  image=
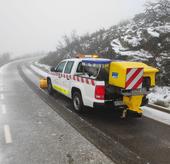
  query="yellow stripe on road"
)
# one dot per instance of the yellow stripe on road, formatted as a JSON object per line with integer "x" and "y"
{"x": 60, "y": 89}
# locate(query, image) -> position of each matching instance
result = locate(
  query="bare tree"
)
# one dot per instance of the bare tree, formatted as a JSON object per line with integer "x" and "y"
{"x": 156, "y": 11}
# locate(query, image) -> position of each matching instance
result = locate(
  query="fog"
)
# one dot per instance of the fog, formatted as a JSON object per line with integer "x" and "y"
{"x": 28, "y": 26}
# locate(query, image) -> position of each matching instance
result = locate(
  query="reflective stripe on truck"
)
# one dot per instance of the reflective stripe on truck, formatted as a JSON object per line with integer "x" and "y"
{"x": 134, "y": 78}
{"x": 75, "y": 78}
{"x": 60, "y": 89}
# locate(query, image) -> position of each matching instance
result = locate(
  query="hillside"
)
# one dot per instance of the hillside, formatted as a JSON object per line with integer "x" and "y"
{"x": 144, "y": 38}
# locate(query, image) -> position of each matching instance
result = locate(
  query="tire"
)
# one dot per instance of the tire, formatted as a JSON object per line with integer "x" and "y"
{"x": 139, "y": 115}
{"x": 135, "y": 114}
{"x": 77, "y": 102}
{"x": 50, "y": 87}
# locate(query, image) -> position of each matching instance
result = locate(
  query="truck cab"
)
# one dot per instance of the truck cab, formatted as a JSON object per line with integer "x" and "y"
{"x": 71, "y": 76}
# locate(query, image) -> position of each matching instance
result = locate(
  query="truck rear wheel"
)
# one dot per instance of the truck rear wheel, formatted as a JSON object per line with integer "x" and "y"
{"x": 50, "y": 87}
{"x": 77, "y": 102}
{"x": 139, "y": 115}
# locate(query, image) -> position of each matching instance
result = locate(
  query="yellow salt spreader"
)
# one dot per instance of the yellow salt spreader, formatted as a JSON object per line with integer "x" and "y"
{"x": 134, "y": 80}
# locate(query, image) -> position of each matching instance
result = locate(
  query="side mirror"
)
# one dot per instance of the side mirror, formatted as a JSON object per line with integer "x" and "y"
{"x": 52, "y": 69}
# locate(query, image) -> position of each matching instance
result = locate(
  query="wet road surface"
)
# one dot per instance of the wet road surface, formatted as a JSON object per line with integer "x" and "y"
{"x": 148, "y": 139}
{"x": 32, "y": 133}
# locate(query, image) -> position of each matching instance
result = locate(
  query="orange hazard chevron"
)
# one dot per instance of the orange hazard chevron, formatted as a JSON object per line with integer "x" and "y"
{"x": 134, "y": 78}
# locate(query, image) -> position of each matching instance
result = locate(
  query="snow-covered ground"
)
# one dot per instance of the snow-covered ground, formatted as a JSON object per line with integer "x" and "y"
{"x": 160, "y": 96}
{"x": 156, "y": 115}
{"x": 119, "y": 49}
{"x": 152, "y": 32}
{"x": 42, "y": 66}
{"x": 163, "y": 29}
{"x": 132, "y": 36}
{"x": 139, "y": 54}
{"x": 39, "y": 70}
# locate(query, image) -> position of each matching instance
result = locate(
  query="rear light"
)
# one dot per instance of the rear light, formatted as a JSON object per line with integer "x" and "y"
{"x": 100, "y": 92}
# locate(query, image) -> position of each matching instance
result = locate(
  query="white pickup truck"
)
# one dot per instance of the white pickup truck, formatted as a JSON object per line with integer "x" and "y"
{"x": 79, "y": 80}
{"x": 94, "y": 82}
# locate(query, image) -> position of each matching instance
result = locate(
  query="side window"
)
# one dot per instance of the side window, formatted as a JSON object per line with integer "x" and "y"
{"x": 60, "y": 67}
{"x": 87, "y": 70}
{"x": 80, "y": 68}
{"x": 69, "y": 67}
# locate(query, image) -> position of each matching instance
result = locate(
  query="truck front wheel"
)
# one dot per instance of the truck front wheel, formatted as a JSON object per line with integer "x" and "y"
{"x": 77, "y": 102}
{"x": 50, "y": 87}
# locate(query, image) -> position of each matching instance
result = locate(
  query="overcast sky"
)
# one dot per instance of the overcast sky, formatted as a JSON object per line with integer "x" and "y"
{"x": 28, "y": 26}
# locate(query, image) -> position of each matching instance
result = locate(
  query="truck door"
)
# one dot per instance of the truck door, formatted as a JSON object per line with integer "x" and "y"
{"x": 67, "y": 81}
{"x": 57, "y": 80}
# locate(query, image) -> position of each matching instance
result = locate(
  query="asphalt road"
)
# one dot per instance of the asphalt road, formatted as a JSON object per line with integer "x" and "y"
{"x": 33, "y": 123}
{"x": 145, "y": 139}
{"x": 32, "y": 133}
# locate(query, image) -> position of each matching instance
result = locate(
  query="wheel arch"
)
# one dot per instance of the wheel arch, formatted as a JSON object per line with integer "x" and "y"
{"x": 78, "y": 91}
{"x": 75, "y": 89}
{"x": 48, "y": 78}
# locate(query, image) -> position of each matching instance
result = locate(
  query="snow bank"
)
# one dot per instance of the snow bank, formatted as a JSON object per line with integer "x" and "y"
{"x": 43, "y": 66}
{"x": 156, "y": 115}
{"x": 160, "y": 96}
{"x": 39, "y": 71}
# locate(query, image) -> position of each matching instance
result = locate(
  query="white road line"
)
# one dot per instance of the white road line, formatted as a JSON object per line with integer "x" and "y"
{"x": 1, "y": 96}
{"x": 7, "y": 133}
{"x": 3, "y": 109}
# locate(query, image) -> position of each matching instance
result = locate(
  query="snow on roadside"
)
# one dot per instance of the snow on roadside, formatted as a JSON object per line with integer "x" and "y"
{"x": 156, "y": 115}
{"x": 39, "y": 71}
{"x": 160, "y": 96}
{"x": 43, "y": 66}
